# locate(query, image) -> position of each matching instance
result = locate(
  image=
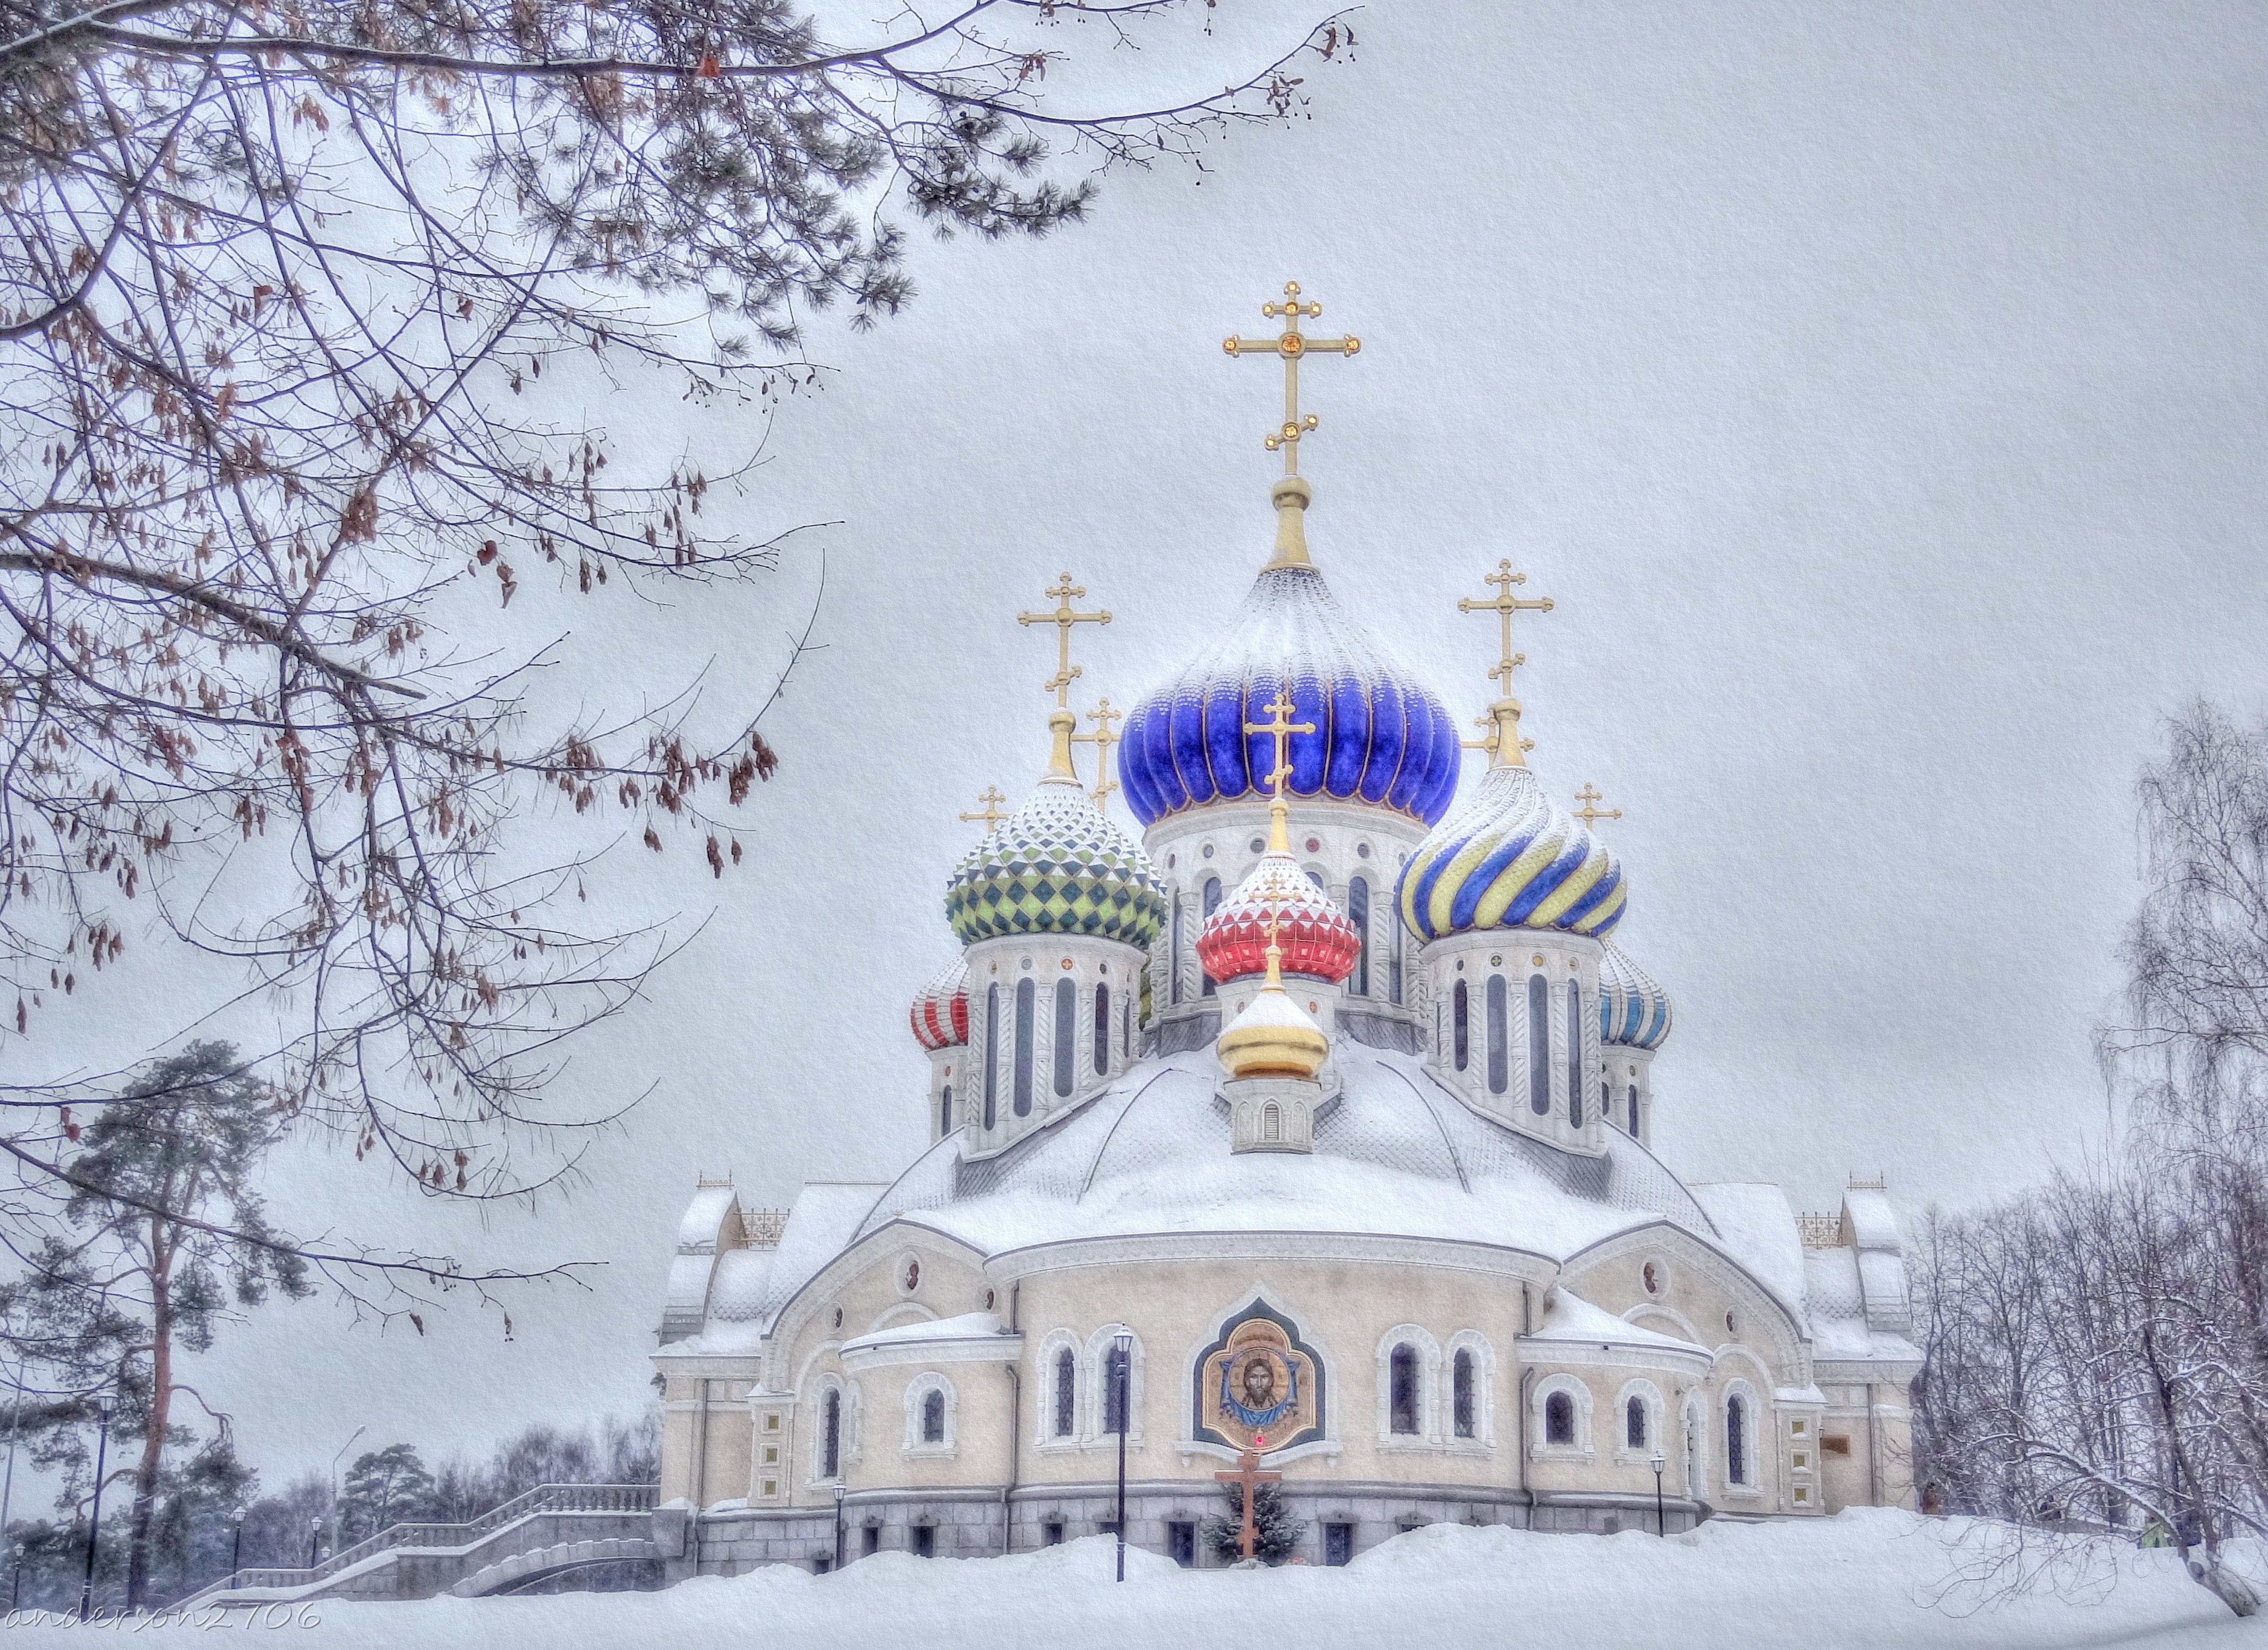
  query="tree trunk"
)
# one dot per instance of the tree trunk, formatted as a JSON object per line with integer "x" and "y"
{"x": 161, "y": 1405}
{"x": 2204, "y": 1563}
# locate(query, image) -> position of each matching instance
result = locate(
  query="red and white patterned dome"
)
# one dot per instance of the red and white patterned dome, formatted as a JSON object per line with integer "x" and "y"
{"x": 1316, "y": 935}
{"x": 940, "y": 1010}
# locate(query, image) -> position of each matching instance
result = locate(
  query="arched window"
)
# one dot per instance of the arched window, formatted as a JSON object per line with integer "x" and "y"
{"x": 830, "y": 1434}
{"x": 1176, "y": 969}
{"x": 1634, "y": 1424}
{"x": 1359, "y": 914}
{"x": 1026, "y": 1006}
{"x": 1633, "y": 1105}
{"x": 1460, "y": 1394}
{"x": 1606, "y": 1100}
{"x": 1736, "y": 1440}
{"x": 1101, "y": 1030}
{"x": 1126, "y": 1025}
{"x": 1539, "y": 1046}
{"x": 1558, "y": 1418}
{"x": 1066, "y": 1034}
{"x": 1211, "y": 904}
{"x": 991, "y": 1052}
{"x": 1499, "y": 1074}
{"x": 1401, "y": 1377}
{"x": 1271, "y": 1122}
{"x": 1066, "y": 1392}
{"x": 933, "y": 1416}
{"x": 945, "y": 1112}
{"x": 1394, "y": 978}
{"x": 1461, "y": 1026}
{"x": 1574, "y": 1055}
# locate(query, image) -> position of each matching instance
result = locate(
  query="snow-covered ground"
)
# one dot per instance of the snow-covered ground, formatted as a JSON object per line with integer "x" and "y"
{"x": 1864, "y": 1579}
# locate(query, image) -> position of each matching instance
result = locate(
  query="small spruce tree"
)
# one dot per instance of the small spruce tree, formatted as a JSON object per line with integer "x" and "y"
{"x": 1276, "y": 1533}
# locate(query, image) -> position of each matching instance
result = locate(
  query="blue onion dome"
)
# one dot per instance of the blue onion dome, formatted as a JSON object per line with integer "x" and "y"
{"x": 1633, "y": 1009}
{"x": 1380, "y": 736}
{"x": 1511, "y": 858}
{"x": 1056, "y": 866}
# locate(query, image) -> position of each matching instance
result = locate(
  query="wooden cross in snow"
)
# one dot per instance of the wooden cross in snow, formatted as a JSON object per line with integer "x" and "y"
{"x": 1247, "y": 1473}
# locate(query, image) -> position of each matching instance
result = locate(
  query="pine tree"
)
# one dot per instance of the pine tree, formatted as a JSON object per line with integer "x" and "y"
{"x": 1276, "y": 1533}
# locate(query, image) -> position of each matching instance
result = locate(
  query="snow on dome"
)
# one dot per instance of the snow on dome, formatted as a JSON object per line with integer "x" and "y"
{"x": 1633, "y": 1009}
{"x": 940, "y": 1010}
{"x": 1511, "y": 858}
{"x": 1056, "y": 866}
{"x": 1316, "y": 937}
{"x": 1380, "y": 736}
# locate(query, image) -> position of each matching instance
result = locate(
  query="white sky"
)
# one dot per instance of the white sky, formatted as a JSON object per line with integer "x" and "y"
{"x": 1876, "y": 390}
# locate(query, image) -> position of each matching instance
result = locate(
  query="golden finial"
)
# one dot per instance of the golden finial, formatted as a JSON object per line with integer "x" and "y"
{"x": 1591, "y": 812}
{"x": 1291, "y": 494}
{"x": 1103, "y": 739}
{"x": 993, "y": 812}
{"x": 1281, "y": 725}
{"x": 1504, "y": 744}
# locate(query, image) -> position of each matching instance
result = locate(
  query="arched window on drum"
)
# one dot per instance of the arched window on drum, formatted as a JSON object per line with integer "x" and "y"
{"x": 1359, "y": 914}
{"x": 1574, "y": 1055}
{"x": 1539, "y": 1046}
{"x": 1211, "y": 904}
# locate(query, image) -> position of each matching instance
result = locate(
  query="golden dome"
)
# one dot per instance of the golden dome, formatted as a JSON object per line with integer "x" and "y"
{"x": 1273, "y": 1036}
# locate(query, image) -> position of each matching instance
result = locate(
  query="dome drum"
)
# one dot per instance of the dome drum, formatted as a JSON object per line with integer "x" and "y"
{"x": 1514, "y": 1030}
{"x": 1052, "y": 1021}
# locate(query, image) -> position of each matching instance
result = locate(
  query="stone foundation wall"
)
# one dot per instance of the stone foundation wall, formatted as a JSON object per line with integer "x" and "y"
{"x": 968, "y": 1524}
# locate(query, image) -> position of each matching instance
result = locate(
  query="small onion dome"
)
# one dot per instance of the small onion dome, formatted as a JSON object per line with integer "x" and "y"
{"x": 1272, "y": 1037}
{"x": 1511, "y": 858}
{"x": 1056, "y": 866}
{"x": 940, "y": 1011}
{"x": 1380, "y": 736}
{"x": 1633, "y": 1009}
{"x": 1316, "y": 936}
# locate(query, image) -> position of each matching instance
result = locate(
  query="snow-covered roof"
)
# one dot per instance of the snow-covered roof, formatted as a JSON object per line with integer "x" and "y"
{"x": 969, "y": 1326}
{"x": 745, "y": 1288}
{"x": 1567, "y": 1316}
{"x": 1756, "y": 1225}
{"x": 1396, "y": 1153}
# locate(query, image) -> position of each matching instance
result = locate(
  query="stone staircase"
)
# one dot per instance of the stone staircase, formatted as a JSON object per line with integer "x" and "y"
{"x": 553, "y": 1529}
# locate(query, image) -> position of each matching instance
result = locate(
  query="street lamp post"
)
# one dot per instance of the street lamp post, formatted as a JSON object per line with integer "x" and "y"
{"x": 104, "y": 1404}
{"x": 1657, "y": 1463}
{"x": 839, "y": 1487}
{"x": 1122, "y": 1352}
{"x": 236, "y": 1552}
{"x": 315, "y": 1543}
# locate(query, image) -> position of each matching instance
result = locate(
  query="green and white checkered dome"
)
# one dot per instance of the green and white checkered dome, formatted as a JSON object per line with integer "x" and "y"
{"x": 1056, "y": 866}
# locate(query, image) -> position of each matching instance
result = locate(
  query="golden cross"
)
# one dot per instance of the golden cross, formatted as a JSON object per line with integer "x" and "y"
{"x": 1487, "y": 741}
{"x": 1591, "y": 812}
{"x": 1103, "y": 739}
{"x": 1283, "y": 727}
{"x": 1062, "y": 618}
{"x": 1503, "y": 748}
{"x": 1289, "y": 346}
{"x": 993, "y": 812}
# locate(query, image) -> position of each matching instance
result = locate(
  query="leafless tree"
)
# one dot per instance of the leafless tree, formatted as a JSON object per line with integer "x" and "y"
{"x": 282, "y": 287}
{"x": 2098, "y": 1349}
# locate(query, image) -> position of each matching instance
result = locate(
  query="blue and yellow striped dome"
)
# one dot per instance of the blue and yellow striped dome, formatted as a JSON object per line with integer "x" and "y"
{"x": 1378, "y": 735}
{"x": 1056, "y": 866}
{"x": 1510, "y": 857}
{"x": 1633, "y": 1009}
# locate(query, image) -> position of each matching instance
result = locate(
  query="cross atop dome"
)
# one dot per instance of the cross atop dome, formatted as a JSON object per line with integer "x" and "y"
{"x": 1291, "y": 346}
{"x": 1060, "y": 720}
{"x": 1504, "y": 743}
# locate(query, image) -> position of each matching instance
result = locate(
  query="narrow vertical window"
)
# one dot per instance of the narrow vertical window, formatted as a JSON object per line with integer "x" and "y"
{"x": 1574, "y": 1055}
{"x": 1633, "y": 1108}
{"x": 1634, "y": 1424}
{"x": 1359, "y": 914}
{"x": 1559, "y": 1419}
{"x": 1026, "y": 1006}
{"x": 1461, "y": 1023}
{"x": 1460, "y": 1395}
{"x": 945, "y": 1112}
{"x": 1736, "y": 1440}
{"x": 1211, "y": 904}
{"x": 1606, "y": 1100}
{"x": 1175, "y": 969}
{"x": 830, "y": 1434}
{"x": 1401, "y": 1383}
{"x": 1066, "y": 1391}
{"x": 991, "y": 1053}
{"x": 1271, "y": 1122}
{"x": 932, "y": 1416}
{"x": 1499, "y": 1068}
{"x": 1066, "y": 1034}
{"x": 1394, "y": 978}
{"x": 1126, "y": 1026}
{"x": 1539, "y": 1046}
{"x": 1101, "y": 1030}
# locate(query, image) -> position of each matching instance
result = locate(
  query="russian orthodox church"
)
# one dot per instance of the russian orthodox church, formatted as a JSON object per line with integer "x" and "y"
{"x": 1317, "y": 1120}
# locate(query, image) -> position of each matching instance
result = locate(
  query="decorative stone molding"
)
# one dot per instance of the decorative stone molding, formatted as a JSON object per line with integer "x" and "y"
{"x": 1272, "y": 1113}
